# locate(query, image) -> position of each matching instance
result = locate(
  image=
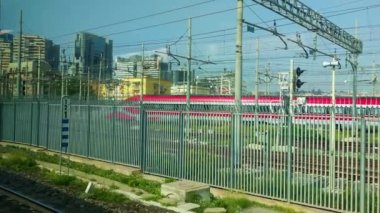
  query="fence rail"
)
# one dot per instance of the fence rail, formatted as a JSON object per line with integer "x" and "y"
{"x": 279, "y": 156}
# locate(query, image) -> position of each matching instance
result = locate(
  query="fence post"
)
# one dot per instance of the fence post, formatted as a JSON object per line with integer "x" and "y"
{"x": 47, "y": 126}
{"x": 181, "y": 151}
{"x": 31, "y": 123}
{"x": 14, "y": 121}
{"x": 289, "y": 155}
{"x": 362, "y": 162}
{"x": 113, "y": 132}
{"x": 143, "y": 139}
{"x": 88, "y": 128}
{"x": 234, "y": 155}
{"x": 2, "y": 120}
{"x": 38, "y": 124}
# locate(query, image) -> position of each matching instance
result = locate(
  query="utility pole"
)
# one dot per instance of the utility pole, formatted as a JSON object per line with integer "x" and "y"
{"x": 88, "y": 84}
{"x": 100, "y": 74}
{"x": 221, "y": 85}
{"x": 238, "y": 86}
{"x": 256, "y": 127}
{"x": 257, "y": 74}
{"x": 63, "y": 58}
{"x": 374, "y": 78}
{"x": 159, "y": 79}
{"x": 2, "y": 72}
{"x": 267, "y": 70}
{"x": 187, "y": 136}
{"x": 39, "y": 72}
{"x": 188, "y": 71}
{"x": 142, "y": 77}
{"x": 291, "y": 87}
{"x": 80, "y": 86}
{"x": 239, "y": 57}
{"x": 333, "y": 128}
{"x": 18, "y": 83}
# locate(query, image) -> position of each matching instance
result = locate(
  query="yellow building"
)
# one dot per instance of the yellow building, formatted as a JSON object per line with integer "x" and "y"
{"x": 132, "y": 87}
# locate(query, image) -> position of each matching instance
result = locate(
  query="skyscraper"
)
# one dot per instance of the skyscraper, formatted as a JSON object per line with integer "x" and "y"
{"x": 93, "y": 53}
{"x": 5, "y": 51}
{"x": 34, "y": 48}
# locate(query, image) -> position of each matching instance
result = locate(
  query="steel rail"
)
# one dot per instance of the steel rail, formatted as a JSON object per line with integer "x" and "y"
{"x": 35, "y": 204}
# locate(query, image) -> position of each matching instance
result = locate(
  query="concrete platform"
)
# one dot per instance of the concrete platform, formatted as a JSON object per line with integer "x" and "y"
{"x": 215, "y": 210}
{"x": 258, "y": 210}
{"x": 183, "y": 190}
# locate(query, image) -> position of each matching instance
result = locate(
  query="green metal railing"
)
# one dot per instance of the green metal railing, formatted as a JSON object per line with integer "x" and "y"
{"x": 289, "y": 158}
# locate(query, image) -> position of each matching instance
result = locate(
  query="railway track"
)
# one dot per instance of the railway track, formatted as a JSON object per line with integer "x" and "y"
{"x": 23, "y": 199}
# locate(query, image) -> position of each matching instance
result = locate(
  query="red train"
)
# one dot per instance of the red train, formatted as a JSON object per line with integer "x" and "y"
{"x": 304, "y": 108}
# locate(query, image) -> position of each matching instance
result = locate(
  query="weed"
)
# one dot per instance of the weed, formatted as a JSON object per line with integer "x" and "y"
{"x": 170, "y": 180}
{"x": 106, "y": 195}
{"x": 61, "y": 180}
{"x": 134, "y": 180}
{"x": 18, "y": 162}
{"x": 113, "y": 187}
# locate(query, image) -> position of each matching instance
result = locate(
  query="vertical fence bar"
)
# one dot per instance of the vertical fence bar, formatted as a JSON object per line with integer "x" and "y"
{"x": 289, "y": 155}
{"x": 113, "y": 157}
{"x": 88, "y": 128}
{"x": 14, "y": 121}
{"x": 2, "y": 120}
{"x": 38, "y": 123}
{"x": 362, "y": 162}
{"x": 233, "y": 150}
{"x": 31, "y": 124}
{"x": 143, "y": 124}
{"x": 377, "y": 177}
{"x": 181, "y": 151}
{"x": 47, "y": 125}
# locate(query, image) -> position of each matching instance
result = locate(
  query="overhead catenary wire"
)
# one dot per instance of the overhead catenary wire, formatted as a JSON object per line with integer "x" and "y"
{"x": 203, "y": 15}
{"x": 138, "y": 18}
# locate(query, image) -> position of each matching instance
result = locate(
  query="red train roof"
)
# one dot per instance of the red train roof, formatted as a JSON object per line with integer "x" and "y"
{"x": 181, "y": 98}
{"x": 313, "y": 100}
{"x": 344, "y": 100}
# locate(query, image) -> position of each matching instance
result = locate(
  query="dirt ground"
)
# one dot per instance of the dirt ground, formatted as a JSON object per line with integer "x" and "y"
{"x": 64, "y": 200}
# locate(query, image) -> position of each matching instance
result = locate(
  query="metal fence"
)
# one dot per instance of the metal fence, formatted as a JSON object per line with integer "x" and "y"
{"x": 299, "y": 159}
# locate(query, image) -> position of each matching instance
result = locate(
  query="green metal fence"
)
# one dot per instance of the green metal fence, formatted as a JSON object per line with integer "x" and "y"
{"x": 291, "y": 158}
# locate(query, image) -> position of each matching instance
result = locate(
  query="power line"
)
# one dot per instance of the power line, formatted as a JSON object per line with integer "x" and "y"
{"x": 139, "y": 18}
{"x": 347, "y": 11}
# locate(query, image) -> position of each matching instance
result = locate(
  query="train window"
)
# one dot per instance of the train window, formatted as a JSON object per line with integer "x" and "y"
{"x": 340, "y": 110}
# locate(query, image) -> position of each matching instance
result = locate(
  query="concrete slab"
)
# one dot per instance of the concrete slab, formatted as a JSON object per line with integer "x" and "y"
{"x": 168, "y": 201}
{"x": 188, "y": 206}
{"x": 258, "y": 210}
{"x": 183, "y": 190}
{"x": 215, "y": 210}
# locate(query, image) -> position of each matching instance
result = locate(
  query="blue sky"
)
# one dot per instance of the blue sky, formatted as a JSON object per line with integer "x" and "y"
{"x": 213, "y": 30}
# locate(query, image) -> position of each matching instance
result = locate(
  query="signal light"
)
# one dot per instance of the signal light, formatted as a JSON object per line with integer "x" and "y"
{"x": 297, "y": 83}
{"x": 23, "y": 88}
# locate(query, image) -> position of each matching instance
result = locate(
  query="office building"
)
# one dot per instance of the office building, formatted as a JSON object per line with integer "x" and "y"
{"x": 34, "y": 48}
{"x": 94, "y": 54}
{"x": 131, "y": 67}
{"x": 5, "y": 51}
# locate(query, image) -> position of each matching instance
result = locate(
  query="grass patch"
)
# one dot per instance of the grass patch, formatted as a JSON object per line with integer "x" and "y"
{"x": 232, "y": 204}
{"x": 24, "y": 163}
{"x": 106, "y": 195}
{"x": 135, "y": 180}
{"x": 61, "y": 180}
{"x": 114, "y": 187}
{"x": 18, "y": 162}
{"x": 150, "y": 197}
{"x": 21, "y": 159}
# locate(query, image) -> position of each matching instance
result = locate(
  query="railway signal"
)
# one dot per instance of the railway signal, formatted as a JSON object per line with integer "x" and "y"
{"x": 23, "y": 88}
{"x": 297, "y": 83}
